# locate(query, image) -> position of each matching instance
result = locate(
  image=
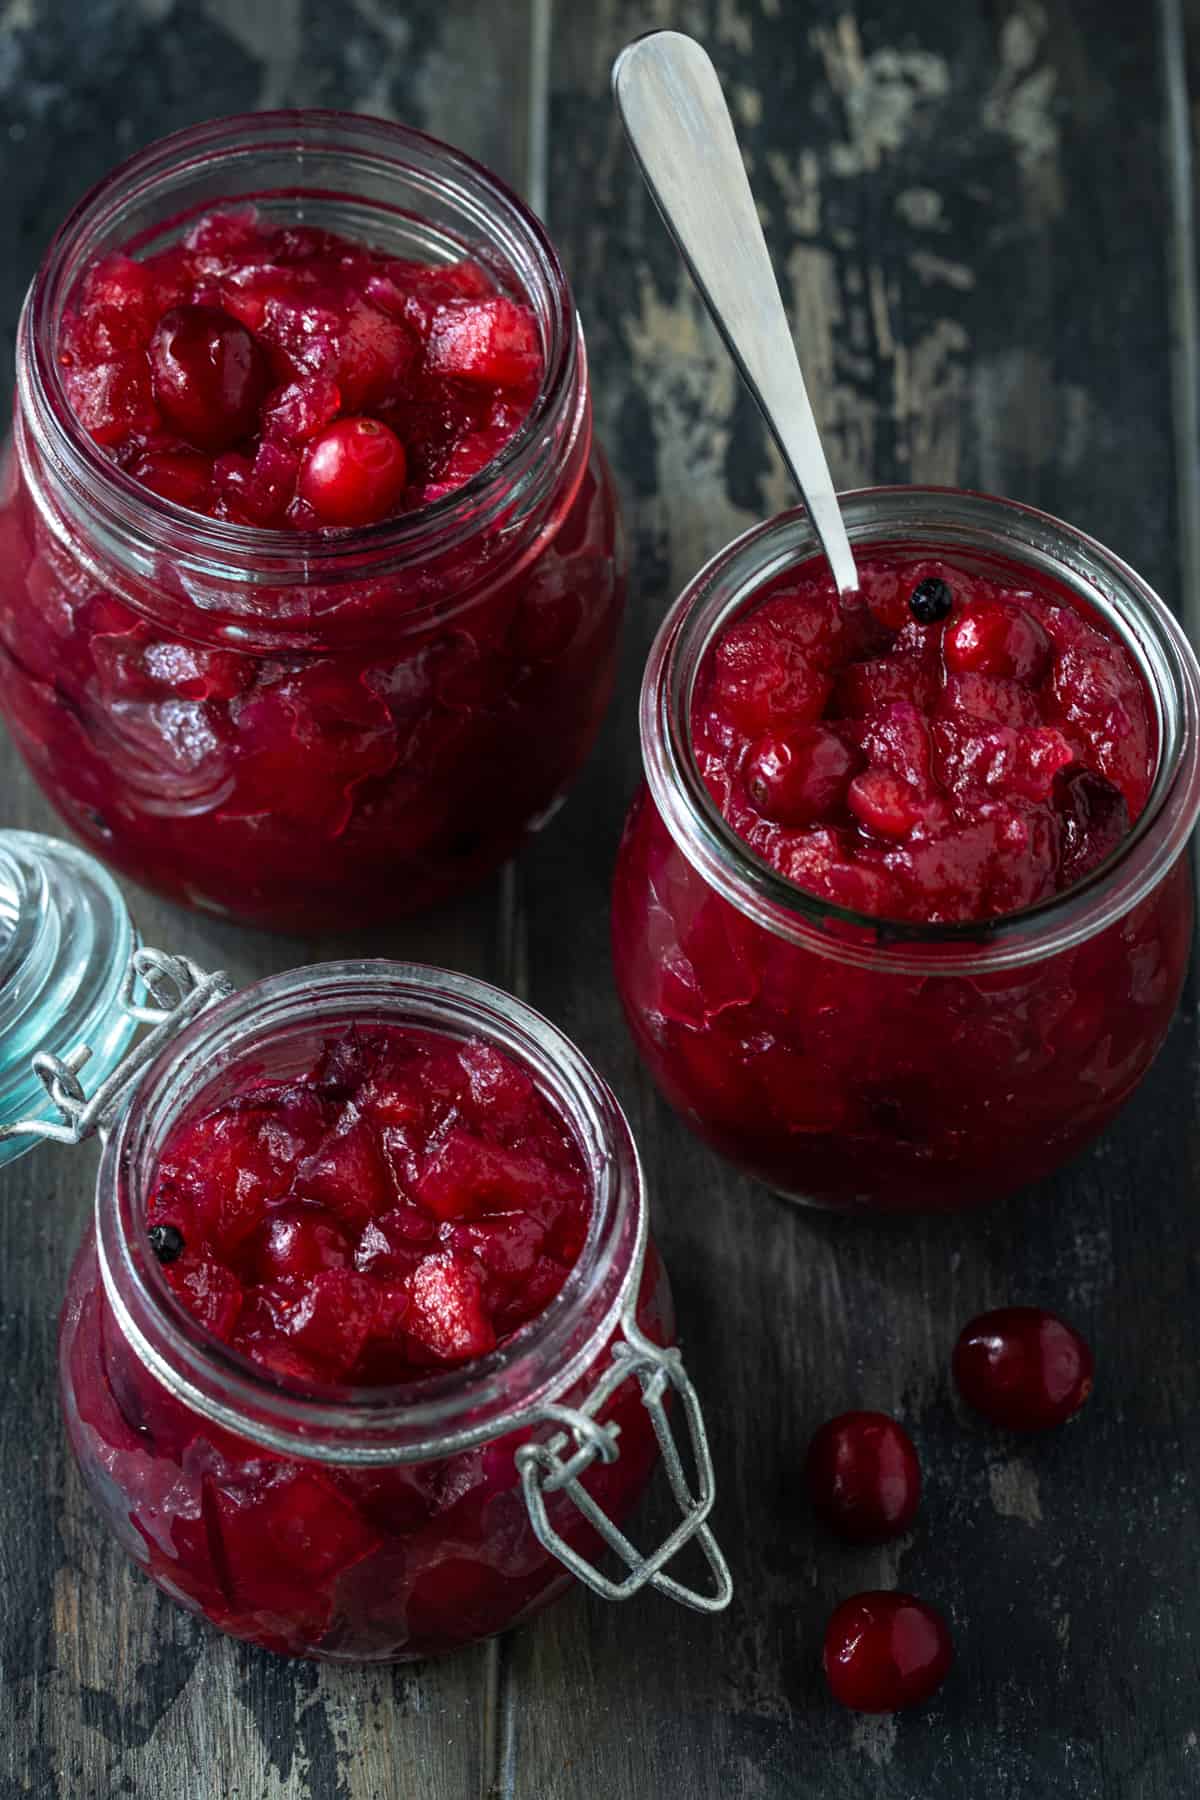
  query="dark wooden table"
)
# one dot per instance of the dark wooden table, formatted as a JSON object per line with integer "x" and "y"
{"x": 983, "y": 215}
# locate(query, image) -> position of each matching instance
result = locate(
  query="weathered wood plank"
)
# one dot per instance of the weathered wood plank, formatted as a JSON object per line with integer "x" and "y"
{"x": 969, "y": 214}
{"x": 108, "y": 1688}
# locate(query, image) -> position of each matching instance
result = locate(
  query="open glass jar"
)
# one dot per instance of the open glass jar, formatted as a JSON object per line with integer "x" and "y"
{"x": 852, "y": 1062}
{"x": 307, "y": 729}
{"x": 380, "y": 1523}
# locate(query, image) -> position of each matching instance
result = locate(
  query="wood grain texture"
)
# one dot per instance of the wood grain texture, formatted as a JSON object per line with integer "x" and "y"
{"x": 971, "y": 210}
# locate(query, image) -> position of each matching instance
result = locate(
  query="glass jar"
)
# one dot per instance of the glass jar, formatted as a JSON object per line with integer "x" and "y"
{"x": 366, "y": 1524}
{"x": 851, "y": 1062}
{"x": 303, "y": 729}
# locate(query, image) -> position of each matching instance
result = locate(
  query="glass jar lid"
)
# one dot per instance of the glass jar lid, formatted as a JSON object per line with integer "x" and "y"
{"x": 66, "y": 943}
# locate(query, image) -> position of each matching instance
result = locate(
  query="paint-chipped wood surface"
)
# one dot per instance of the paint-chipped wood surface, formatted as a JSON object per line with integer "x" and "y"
{"x": 983, "y": 218}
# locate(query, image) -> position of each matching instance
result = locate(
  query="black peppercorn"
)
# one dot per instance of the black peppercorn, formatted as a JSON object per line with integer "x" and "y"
{"x": 931, "y": 601}
{"x": 166, "y": 1241}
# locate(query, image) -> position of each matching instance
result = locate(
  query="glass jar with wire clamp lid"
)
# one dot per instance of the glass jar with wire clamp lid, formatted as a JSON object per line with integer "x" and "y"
{"x": 367, "y": 1353}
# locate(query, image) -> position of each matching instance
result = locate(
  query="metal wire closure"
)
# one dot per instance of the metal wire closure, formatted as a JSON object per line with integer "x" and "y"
{"x": 543, "y": 1471}
{"x": 178, "y": 992}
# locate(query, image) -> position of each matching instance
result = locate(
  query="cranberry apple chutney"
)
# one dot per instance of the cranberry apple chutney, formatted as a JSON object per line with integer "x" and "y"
{"x": 406, "y": 1203}
{"x": 284, "y": 375}
{"x": 310, "y": 573}
{"x": 368, "y": 1238}
{"x": 939, "y": 747}
{"x": 903, "y": 917}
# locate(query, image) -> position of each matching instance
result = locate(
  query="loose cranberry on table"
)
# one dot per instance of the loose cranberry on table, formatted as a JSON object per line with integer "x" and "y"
{"x": 863, "y": 1476}
{"x": 1023, "y": 1368}
{"x": 884, "y": 1651}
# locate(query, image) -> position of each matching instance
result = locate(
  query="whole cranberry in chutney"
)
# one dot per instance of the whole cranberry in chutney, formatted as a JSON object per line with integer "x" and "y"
{"x": 796, "y": 777}
{"x": 1023, "y": 1368}
{"x": 884, "y": 1651}
{"x": 209, "y": 375}
{"x": 928, "y": 973}
{"x": 353, "y": 472}
{"x": 863, "y": 1476}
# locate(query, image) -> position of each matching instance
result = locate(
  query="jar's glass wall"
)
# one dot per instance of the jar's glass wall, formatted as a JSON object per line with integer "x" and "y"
{"x": 859, "y": 1088}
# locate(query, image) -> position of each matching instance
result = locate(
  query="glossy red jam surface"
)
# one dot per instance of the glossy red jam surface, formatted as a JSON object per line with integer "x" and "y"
{"x": 405, "y": 1204}
{"x": 1023, "y": 1368}
{"x": 934, "y": 772}
{"x": 943, "y": 771}
{"x": 863, "y": 1476}
{"x": 395, "y": 1212}
{"x": 314, "y": 751}
{"x": 283, "y": 375}
{"x": 885, "y": 1651}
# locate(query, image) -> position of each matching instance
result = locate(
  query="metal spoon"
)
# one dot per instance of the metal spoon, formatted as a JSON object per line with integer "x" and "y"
{"x": 674, "y": 112}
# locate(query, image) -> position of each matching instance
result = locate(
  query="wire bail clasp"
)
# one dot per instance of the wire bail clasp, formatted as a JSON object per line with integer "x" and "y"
{"x": 176, "y": 991}
{"x": 544, "y": 1471}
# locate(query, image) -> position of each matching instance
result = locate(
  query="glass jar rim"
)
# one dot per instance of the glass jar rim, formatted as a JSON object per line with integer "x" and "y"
{"x": 432, "y": 1416}
{"x": 280, "y": 556}
{"x": 939, "y": 520}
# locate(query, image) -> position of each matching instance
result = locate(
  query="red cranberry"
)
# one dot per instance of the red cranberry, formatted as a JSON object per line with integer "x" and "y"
{"x": 1094, "y": 820}
{"x": 885, "y": 1650}
{"x": 994, "y": 638}
{"x": 863, "y": 1476}
{"x": 797, "y": 777}
{"x": 354, "y": 472}
{"x": 209, "y": 375}
{"x": 1023, "y": 1368}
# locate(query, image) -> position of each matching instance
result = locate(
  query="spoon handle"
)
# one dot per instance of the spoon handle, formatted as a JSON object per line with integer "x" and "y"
{"x": 674, "y": 112}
